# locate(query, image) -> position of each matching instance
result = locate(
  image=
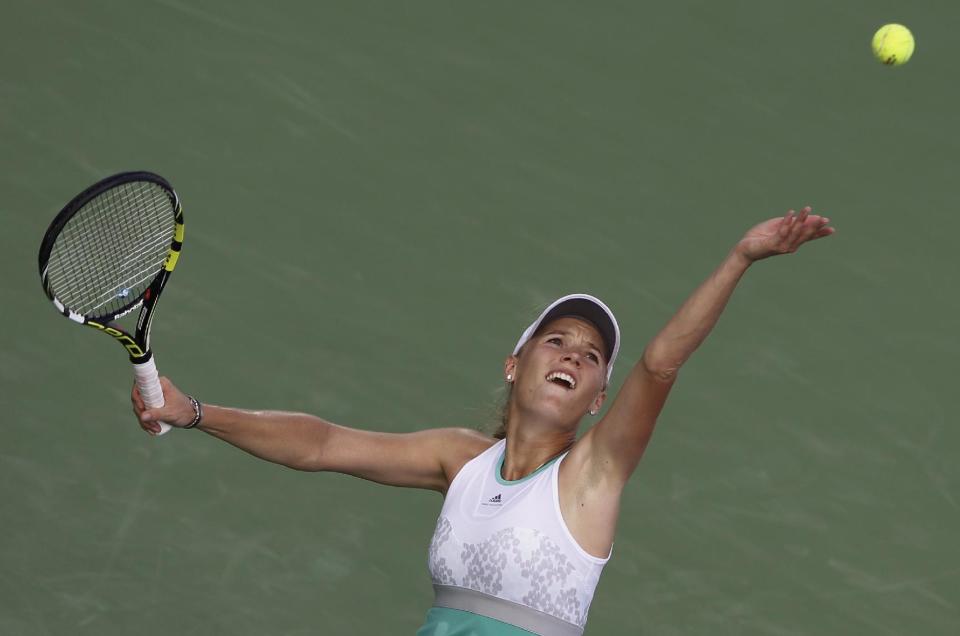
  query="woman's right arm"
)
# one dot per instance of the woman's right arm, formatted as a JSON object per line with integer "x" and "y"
{"x": 424, "y": 459}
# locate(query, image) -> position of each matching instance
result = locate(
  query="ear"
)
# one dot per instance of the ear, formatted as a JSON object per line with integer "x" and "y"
{"x": 598, "y": 402}
{"x": 510, "y": 368}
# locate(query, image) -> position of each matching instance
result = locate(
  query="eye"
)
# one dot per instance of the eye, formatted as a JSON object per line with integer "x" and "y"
{"x": 554, "y": 340}
{"x": 593, "y": 357}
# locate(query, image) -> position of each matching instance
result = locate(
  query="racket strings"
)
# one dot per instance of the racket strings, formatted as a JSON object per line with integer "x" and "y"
{"x": 84, "y": 232}
{"x": 131, "y": 269}
{"x": 110, "y": 251}
{"x": 152, "y": 243}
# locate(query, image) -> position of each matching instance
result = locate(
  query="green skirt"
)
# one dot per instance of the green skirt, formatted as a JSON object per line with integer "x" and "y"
{"x": 443, "y": 621}
{"x": 460, "y": 611}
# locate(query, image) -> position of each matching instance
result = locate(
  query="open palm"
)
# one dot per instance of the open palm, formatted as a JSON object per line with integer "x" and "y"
{"x": 783, "y": 235}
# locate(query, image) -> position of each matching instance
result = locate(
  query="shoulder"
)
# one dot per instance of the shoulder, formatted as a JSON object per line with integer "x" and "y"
{"x": 584, "y": 470}
{"x": 460, "y": 445}
{"x": 464, "y": 441}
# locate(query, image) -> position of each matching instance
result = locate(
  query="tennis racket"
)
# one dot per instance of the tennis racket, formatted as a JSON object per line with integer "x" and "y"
{"x": 111, "y": 250}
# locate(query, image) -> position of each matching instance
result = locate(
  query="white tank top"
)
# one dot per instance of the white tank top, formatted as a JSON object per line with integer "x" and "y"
{"x": 507, "y": 539}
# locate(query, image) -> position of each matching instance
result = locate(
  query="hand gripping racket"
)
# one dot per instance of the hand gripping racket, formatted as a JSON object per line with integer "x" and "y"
{"x": 109, "y": 251}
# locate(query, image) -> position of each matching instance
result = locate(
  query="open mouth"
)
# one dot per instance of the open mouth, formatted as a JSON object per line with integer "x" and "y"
{"x": 562, "y": 379}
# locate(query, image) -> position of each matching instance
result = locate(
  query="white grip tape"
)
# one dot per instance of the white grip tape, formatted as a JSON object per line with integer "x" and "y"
{"x": 148, "y": 381}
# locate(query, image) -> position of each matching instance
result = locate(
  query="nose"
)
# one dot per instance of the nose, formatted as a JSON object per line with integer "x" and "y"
{"x": 572, "y": 356}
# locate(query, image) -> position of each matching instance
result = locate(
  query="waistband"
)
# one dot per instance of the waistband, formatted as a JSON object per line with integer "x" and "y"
{"x": 461, "y": 598}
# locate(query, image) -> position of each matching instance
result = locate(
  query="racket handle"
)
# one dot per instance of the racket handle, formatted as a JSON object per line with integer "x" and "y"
{"x": 148, "y": 381}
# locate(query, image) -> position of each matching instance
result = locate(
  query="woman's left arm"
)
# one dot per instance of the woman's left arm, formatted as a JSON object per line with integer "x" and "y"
{"x": 617, "y": 442}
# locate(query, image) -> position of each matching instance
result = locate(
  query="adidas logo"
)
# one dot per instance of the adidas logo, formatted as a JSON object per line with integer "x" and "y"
{"x": 493, "y": 501}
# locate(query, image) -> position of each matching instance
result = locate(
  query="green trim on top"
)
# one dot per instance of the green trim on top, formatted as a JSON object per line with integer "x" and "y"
{"x": 507, "y": 482}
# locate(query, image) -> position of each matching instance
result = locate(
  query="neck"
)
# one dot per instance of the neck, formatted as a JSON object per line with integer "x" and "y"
{"x": 532, "y": 442}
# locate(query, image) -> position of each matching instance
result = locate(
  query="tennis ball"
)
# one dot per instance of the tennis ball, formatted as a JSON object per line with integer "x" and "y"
{"x": 893, "y": 44}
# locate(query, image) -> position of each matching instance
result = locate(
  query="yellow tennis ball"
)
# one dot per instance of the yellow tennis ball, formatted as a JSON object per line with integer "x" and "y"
{"x": 893, "y": 44}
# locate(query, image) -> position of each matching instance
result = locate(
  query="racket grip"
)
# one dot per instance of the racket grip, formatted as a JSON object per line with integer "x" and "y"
{"x": 148, "y": 381}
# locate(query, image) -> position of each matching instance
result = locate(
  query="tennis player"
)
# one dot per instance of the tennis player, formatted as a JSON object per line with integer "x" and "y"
{"x": 529, "y": 514}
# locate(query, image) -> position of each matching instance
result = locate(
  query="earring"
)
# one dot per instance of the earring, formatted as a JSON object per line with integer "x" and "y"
{"x": 509, "y": 377}
{"x": 593, "y": 412}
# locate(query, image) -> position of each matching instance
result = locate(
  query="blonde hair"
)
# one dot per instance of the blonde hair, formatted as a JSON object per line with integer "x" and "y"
{"x": 503, "y": 412}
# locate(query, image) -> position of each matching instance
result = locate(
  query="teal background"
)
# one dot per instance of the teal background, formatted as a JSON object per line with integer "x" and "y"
{"x": 380, "y": 196}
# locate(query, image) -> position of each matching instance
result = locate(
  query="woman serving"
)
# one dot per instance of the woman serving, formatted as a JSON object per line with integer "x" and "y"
{"x": 529, "y": 514}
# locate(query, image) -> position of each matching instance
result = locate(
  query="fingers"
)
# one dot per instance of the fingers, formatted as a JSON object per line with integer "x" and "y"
{"x": 150, "y": 427}
{"x": 797, "y": 227}
{"x": 806, "y": 227}
{"x": 138, "y": 406}
{"x": 814, "y": 228}
{"x": 793, "y": 225}
{"x": 149, "y": 419}
{"x": 136, "y": 400}
{"x": 140, "y": 412}
{"x": 827, "y": 231}
{"x": 786, "y": 225}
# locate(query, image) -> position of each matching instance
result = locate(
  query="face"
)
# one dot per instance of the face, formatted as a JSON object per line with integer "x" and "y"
{"x": 561, "y": 369}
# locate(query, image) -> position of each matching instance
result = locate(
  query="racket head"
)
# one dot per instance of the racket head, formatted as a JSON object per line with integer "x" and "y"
{"x": 112, "y": 247}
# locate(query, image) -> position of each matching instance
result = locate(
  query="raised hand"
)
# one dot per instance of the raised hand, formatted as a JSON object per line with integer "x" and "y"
{"x": 783, "y": 235}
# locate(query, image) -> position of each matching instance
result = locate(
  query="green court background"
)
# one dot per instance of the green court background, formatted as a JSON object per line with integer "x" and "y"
{"x": 379, "y": 196}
